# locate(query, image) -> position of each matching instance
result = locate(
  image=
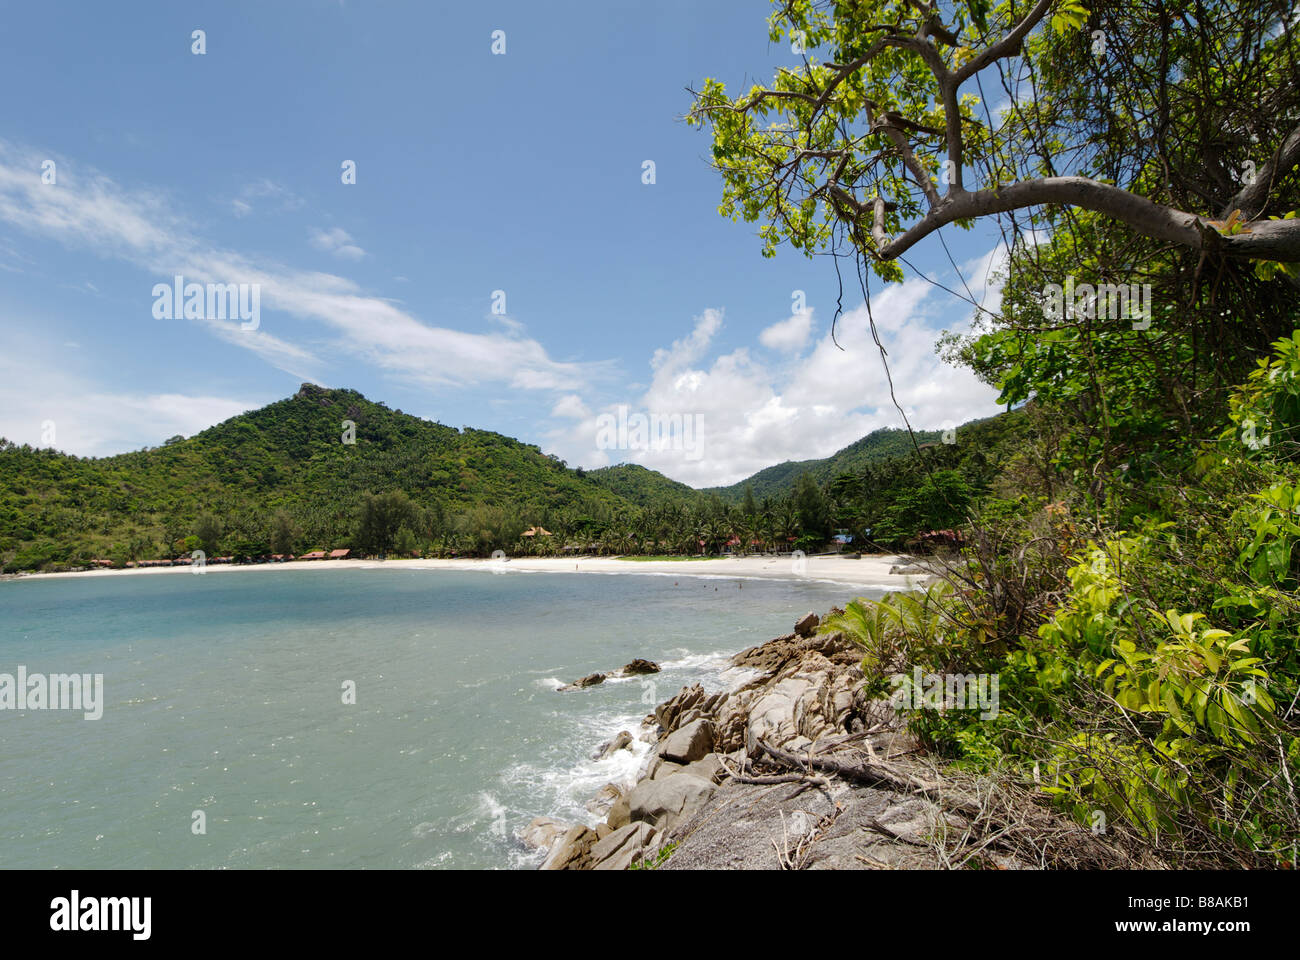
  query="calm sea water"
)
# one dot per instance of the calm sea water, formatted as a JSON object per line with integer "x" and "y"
{"x": 224, "y": 693}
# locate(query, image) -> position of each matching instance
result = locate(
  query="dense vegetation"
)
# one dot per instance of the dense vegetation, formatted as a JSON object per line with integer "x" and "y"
{"x": 1131, "y": 575}
{"x": 281, "y": 480}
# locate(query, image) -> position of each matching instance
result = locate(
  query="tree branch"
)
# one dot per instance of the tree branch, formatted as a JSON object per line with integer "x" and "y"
{"x": 1265, "y": 239}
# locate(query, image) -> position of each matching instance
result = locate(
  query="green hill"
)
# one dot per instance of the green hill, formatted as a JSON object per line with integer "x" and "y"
{"x": 643, "y": 486}
{"x": 878, "y": 446}
{"x": 289, "y": 457}
{"x": 302, "y": 473}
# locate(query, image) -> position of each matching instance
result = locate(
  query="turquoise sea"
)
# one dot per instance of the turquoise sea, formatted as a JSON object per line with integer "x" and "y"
{"x": 224, "y": 693}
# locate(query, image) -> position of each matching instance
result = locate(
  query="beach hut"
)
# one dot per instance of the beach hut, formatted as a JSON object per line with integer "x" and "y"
{"x": 314, "y": 555}
{"x": 339, "y": 554}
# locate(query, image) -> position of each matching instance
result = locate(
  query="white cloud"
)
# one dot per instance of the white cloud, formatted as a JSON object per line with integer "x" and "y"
{"x": 259, "y": 190}
{"x": 571, "y": 407}
{"x": 89, "y": 210}
{"x": 788, "y": 336}
{"x": 338, "y": 242}
{"x": 751, "y": 414}
{"x": 94, "y": 423}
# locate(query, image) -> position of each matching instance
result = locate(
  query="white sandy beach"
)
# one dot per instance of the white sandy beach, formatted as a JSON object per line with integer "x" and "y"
{"x": 866, "y": 571}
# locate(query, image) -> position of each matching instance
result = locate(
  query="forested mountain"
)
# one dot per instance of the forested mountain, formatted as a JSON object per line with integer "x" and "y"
{"x": 879, "y": 445}
{"x": 287, "y": 458}
{"x": 330, "y": 469}
{"x": 642, "y": 486}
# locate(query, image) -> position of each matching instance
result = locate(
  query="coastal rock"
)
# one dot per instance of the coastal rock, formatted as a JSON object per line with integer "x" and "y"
{"x": 660, "y": 768}
{"x": 807, "y": 624}
{"x": 663, "y": 803}
{"x": 620, "y": 814}
{"x": 767, "y": 656}
{"x": 590, "y": 680}
{"x": 625, "y": 846}
{"x": 689, "y": 743}
{"x": 668, "y": 713}
{"x": 542, "y": 832}
{"x": 610, "y": 747}
{"x": 708, "y": 768}
{"x": 606, "y": 797}
{"x": 639, "y": 666}
{"x": 571, "y": 852}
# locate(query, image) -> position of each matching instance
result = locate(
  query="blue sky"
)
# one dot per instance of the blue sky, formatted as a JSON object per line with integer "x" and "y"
{"x": 475, "y": 173}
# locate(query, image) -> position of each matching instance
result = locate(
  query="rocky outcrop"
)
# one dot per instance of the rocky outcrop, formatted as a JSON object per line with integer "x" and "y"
{"x": 637, "y": 667}
{"x": 689, "y": 743}
{"x": 611, "y": 747}
{"x": 590, "y": 680}
{"x": 804, "y": 692}
{"x": 663, "y": 803}
{"x": 796, "y": 769}
{"x": 542, "y": 833}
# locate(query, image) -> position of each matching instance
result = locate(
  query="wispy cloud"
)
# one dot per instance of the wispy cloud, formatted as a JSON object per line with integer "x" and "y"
{"x": 338, "y": 242}
{"x": 263, "y": 192}
{"x": 40, "y": 400}
{"x": 89, "y": 210}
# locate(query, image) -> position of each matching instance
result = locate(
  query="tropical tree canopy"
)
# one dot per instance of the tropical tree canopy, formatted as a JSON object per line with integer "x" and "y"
{"x": 1177, "y": 118}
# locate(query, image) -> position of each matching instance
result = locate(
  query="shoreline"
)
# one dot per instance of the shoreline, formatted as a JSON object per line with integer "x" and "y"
{"x": 869, "y": 570}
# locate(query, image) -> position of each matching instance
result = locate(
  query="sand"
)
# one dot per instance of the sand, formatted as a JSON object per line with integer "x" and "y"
{"x": 869, "y": 570}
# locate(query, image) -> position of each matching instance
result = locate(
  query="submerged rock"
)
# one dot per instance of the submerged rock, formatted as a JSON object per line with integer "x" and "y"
{"x": 611, "y": 747}
{"x": 605, "y": 798}
{"x": 590, "y": 680}
{"x": 542, "y": 833}
{"x": 639, "y": 666}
